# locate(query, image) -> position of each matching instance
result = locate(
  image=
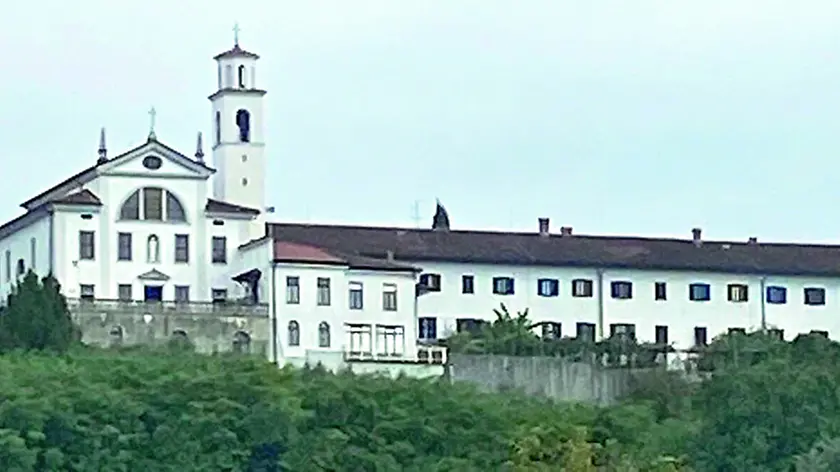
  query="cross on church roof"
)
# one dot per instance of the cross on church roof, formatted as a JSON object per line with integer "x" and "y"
{"x": 236, "y": 34}
{"x": 152, "y": 114}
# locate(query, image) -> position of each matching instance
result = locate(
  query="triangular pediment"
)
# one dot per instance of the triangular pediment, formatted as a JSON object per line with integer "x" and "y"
{"x": 154, "y": 274}
{"x": 130, "y": 163}
{"x": 155, "y": 159}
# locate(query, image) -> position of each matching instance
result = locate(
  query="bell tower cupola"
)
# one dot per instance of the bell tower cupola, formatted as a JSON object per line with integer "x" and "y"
{"x": 238, "y": 142}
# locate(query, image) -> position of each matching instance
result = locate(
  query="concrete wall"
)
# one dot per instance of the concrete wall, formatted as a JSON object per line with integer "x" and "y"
{"x": 209, "y": 331}
{"x": 543, "y": 376}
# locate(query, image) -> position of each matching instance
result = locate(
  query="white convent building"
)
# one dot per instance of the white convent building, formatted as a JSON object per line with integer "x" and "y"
{"x": 147, "y": 248}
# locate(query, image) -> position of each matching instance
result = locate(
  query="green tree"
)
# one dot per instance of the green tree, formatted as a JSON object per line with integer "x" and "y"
{"x": 772, "y": 404}
{"x": 36, "y": 317}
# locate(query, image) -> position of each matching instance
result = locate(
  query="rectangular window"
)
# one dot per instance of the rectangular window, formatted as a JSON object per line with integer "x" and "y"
{"x": 389, "y": 297}
{"x": 503, "y": 285}
{"x": 86, "y": 245}
{"x": 323, "y": 291}
{"x": 431, "y": 282}
{"x": 469, "y": 325}
{"x": 427, "y": 328}
{"x": 8, "y": 265}
{"x": 467, "y": 284}
{"x": 814, "y": 296}
{"x": 621, "y": 290}
{"x": 390, "y": 340}
{"x": 87, "y": 292}
{"x": 182, "y": 248}
{"x": 586, "y": 332}
{"x": 182, "y": 294}
{"x": 581, "y": 288}
{"x": 700, "y": 337}
{"x": 124, "y": 293}
{"x": 548, "y": 287}
{"x": 776, "y": 295}
{"x": 219, "y": 295}
{"x": 152, "y": 204}
{"x": 360, "y": 338}
{"x": 219, "y": 244}
{"x": 699, "y": 292}
{"x": 360, "y": 341}
{"x": 551, "y": 330}
{"x": 776, "y": 333}
{"x": 737, "y": 293}
{"x": 660, "y": 291}
{"x": 33, "y": 250}
{"x": 124, "y": 246}
{"x": 661, "y": 335}
{"x": 623, "y": 330}
{"x": 292, "y": 290}
{"x": 356, "y": 296}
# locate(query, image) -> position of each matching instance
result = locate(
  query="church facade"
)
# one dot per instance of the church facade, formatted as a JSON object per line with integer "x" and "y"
{"x": 153, "y": 245}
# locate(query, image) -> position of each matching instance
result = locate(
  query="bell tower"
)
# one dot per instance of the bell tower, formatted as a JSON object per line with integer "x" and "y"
{"x": 237, "y": 140}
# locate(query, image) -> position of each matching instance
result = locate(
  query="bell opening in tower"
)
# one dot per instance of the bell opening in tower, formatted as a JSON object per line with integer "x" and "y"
{"x": 243, "y": 121}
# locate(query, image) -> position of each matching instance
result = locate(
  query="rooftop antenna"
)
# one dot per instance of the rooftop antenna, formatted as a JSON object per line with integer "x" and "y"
{"x": 415, "y": 213}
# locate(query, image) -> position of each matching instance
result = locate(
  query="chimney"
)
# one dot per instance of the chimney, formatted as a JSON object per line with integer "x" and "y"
{"x": 753, "y": 240}
{"x": 566, "y": 231}
{"x": 697, "y": 236}
{"x": 543, "y": 226}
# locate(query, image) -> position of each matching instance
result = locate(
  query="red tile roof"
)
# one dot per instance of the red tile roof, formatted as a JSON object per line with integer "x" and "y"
{"x": 285, "y": 251}
{"x": 555, "y": 250}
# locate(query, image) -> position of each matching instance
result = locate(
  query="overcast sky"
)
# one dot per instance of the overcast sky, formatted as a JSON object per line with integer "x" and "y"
{"x": 638, "y": 117}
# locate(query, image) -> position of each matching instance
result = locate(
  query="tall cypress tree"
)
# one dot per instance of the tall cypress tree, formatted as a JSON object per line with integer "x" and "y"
{"x": 36, "y": 317}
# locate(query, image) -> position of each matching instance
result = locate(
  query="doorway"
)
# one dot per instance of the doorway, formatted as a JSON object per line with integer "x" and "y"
{"x": 153, "y": 293}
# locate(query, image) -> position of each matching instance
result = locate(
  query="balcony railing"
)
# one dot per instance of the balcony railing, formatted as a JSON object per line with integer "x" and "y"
{"x": 425, "y": 355}
{"x": 231, "y": 308}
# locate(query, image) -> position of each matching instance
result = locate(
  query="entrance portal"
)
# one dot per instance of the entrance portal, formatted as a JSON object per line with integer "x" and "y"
{"x": 153, "y": 293}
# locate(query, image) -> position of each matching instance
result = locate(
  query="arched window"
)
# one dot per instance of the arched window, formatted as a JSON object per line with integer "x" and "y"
{"x": 180, "y": 340}
{"x": 243, "y": 122}
{"x": 153, "y": 250}
{"x": 148, "y": 204}
{"x": 116, "y": 334}
{"x": 241, "y": 342}
{"x": 21, "y": 267}
{"x": 294, "y": 333}
{"x": 174, "y": 209}
{"x": 241, "y": 72}
{"x": 131, "y": 208}
{"x": 324, "y": 334}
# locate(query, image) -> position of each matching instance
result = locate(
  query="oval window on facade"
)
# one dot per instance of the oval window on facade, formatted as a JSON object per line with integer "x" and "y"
{"x": 152, "y": 162}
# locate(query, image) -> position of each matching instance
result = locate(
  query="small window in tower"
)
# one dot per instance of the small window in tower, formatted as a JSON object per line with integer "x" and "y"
{"x": 241, "y": 72}
{"x": 244, "y": 158}
{"x": 218, "y": 127}
{"x": 244, "y": 181}
{"x": 243, "y": 121}
{"x": 228, "y": 76}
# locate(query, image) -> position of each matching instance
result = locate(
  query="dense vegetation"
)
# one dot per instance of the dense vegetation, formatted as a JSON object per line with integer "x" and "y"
{"x": 769, "y": 405}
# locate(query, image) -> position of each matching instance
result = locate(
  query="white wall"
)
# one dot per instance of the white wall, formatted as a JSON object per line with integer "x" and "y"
{"x": 308, "y": 314}
{"x": 106, "y": 273}
{"x": 679, "y": 313}
{"x": 19, "y": 245}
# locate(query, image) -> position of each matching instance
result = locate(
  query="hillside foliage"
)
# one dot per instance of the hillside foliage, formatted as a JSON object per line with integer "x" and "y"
{"x": 769, "y": 405}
